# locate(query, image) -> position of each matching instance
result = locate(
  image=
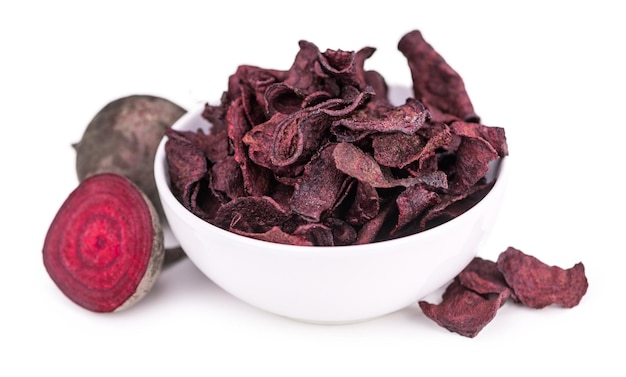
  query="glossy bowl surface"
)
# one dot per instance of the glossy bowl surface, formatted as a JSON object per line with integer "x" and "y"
{"x": 328, "y": 284}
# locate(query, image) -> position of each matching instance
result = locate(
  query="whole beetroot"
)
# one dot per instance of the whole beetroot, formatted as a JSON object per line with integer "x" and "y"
{"x": 123, "y": 137}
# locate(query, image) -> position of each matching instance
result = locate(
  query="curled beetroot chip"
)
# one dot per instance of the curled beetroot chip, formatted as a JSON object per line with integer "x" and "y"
{"x": 365, "y": 206}
{"x": 343, "y": 233}
{"x": 406, "y": 118}
{"x": 255, "y": 177}
{"x": 434, "y": 81}
{"x": 104, "y": 248}
{"x": 187, "y": 166}
{"x": 353, "y": 161}
{"x": 538, "y": 285}
{"x": 495, "y": 136}
{"x": 319, "y": 188}
{"x": 370, "y": 231}
{"x": 226, "y": 179}
{"x": 299, "y": 136}
{"x": 462, "y": 310}
{"x": 412, "y": 202}
{"x": 453, "y": 205}
{"x": 251, "y": 214}
{"x": 472, "y": 163}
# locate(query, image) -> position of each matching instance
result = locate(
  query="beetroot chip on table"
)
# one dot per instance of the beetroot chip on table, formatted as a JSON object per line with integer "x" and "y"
{"x": 317, "y": 154}
{"x": 537, "y": 284}
{"x": 462, "y": 310}
{"x": 476, "y": 293}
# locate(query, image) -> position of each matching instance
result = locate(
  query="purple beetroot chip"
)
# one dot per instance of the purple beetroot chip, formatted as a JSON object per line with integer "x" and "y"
{"x": 537, "y": 284}
{"x": 462, "y": 310}
{"x": 435, "y": 83}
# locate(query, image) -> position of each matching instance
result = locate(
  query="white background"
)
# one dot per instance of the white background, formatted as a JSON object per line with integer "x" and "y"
{"x": 551, "y": 75}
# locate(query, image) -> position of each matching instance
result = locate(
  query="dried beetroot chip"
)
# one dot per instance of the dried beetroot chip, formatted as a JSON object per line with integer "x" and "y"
{"x": 370, "y": 231}
{"x": 537, "y": 284}
{"x": 298, "y": 136}
{"x": 254, "y": 112}
{"x": 407, "y": 118}
{"x": 340, "y": 65}
{"x": 495, "y": 136}
{"x": 316, "y": 233}
{"x": 282, "y": 99}
{"x": 214, "y": 145}
{"x": 368, "y": 78}
{"x": 343, "y": 233}
{"x": 453, "y": 205}
{"x": 226, "y": 179}
{"x": 483, "y": 277}
{"x": 205, "y": 203}
{"x": 365, "y": 206}
{"x": 259, "y": 141}
{"x": 462, "y": 310}
{"x": 396, "y": 149}
{"x": 255, "y": 177}
{"x": 301, "y": 77}
{"x": 250, "y": 83}
{"x": 472, "y": 163}
{"x": 381, "y": 91}
{"x": 319, "y": 187}
{"x": 399, "y": 150}
{"x": 362, "y": 166}
{"x": 351, "y": 100}
{"x": 438, "y": 136}
{"x": 251, "y": 214}
{"x": 187, "y": 166}
{"x": 412, "y": 202}
{"x": 434, "y": 82}
{"x": 216, "y": 115}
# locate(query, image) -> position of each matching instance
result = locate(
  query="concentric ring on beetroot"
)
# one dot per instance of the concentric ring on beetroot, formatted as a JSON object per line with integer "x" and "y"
{"x": 104, "y": 248}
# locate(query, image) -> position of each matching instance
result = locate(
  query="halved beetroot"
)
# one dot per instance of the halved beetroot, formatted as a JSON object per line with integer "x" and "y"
{"x": 104, "y": 248}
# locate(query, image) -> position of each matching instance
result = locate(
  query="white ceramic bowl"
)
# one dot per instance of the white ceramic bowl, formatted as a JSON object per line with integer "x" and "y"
{"x": 328, "y": 284}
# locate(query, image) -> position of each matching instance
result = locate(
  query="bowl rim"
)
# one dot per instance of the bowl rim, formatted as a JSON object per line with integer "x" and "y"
{"x": 165, "y": 193}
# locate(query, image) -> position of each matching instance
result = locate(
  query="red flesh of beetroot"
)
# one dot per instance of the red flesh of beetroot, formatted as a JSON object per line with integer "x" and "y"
{"x": 104, "y": 247}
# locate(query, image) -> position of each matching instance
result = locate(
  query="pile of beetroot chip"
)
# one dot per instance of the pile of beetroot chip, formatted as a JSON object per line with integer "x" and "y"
{"x": 473, "y": 298}
{"x": 318, "y": 155}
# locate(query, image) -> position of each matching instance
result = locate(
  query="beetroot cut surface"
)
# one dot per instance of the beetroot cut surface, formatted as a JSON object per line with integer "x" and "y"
{"x": 104, "y": 248}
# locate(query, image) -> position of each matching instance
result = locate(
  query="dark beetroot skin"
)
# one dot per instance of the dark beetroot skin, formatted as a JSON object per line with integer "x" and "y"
{"x": 104, "y": 248}
{"x": 123, "y": 138}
